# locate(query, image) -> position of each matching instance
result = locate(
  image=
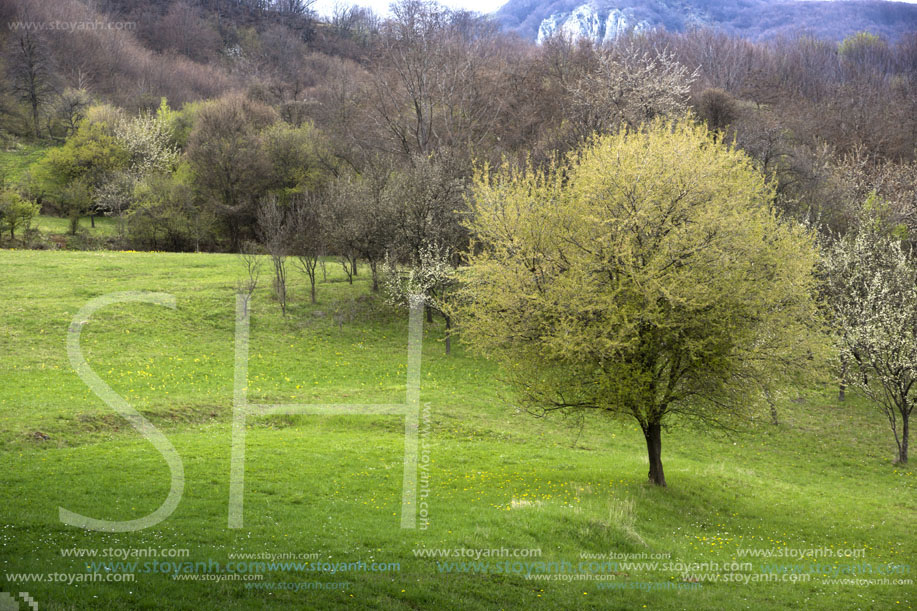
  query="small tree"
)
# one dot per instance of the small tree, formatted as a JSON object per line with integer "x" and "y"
{"x": 871, "y": 289}
{"x": 163, "y": 213}
{"x": 274, "y": 231}
{"x": 252, "y": 263}
{"x": 71, "y": 108}
{"x": 115, "y": 196}
{"x": 717, "y": 107}
{"x": 427, "y": 202}
{"x": 431, "y": 278}
{"x": 341, "y": 219}
{"x": 307, "y": 237}
{"x": 365, "y": 215}
{"x": 647, "y": 277}
{"x": 15, "y": 212}
{"x": 75, "y": 199}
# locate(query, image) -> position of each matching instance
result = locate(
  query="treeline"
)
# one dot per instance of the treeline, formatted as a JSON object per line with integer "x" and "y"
{"x": 378, "y": 124}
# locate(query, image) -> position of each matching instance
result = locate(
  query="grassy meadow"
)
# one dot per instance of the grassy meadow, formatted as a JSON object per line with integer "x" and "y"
{"x": 328, "y": 488}
{"x": 16, "y": 157}
{"x": 105, "y": 226}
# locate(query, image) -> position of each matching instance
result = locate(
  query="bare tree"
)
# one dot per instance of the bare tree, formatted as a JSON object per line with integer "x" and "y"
{"x": 717, "y": 108}
{"x": 293, "y": 7}
{"x": 252, "y": 263}
{"x": 308, "y": 237}
{"x": 355, "y": 23}
{"x": 348, "y": 261}
{"x": 184, "y": 29}
{"x": 428, "y": 199}
{"x": 365, "y": 208}
{"x": 862, "y": 174}
{"x": 274, "y": 231}
{"x": 627, "y": 86}
{"x": 31, "y": 75}
{"x": 431, "y": 86}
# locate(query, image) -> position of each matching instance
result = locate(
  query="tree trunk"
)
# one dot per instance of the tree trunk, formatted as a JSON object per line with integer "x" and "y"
{"x": 448, "y": 335}
{"x": 653, "y": 434}
{"x": 429, "y": 315}
{"x": 235, "y": 242}
{"x": 375, "y": 274}
{"x": 842, "y": 389}
{"x": 92, "y": 220}
{"x": 35, "y": 123}
{"x": 775, "y": 419}
{"x": 902, "y": 447}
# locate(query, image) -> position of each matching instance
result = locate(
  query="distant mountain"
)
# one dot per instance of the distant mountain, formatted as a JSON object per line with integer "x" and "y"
{"x": 603, "y": 20}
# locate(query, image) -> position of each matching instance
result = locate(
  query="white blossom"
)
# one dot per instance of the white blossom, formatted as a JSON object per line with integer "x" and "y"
{"x": 871, "y": 291}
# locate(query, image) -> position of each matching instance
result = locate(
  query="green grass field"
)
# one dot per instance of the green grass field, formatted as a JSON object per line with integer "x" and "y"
{"x": 104, "y": 226}
{"x": 16, "y": 158}
{"x": 328, "y": 488}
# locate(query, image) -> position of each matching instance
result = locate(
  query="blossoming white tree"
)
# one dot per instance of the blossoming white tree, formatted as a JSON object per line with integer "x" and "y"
{"x": 430, "y": 278}
{"x": 148, "y": 141}
{"x": 871, "y": 283}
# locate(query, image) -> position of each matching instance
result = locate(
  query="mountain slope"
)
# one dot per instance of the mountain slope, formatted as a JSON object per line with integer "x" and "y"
{"x": 754, "y": 19}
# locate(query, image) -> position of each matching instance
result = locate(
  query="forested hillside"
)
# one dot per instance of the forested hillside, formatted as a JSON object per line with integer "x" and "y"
{"x": 178, "y": 118}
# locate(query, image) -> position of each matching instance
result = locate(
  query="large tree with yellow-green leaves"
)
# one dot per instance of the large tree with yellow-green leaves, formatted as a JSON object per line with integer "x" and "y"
{"x": 648, "y": 275}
